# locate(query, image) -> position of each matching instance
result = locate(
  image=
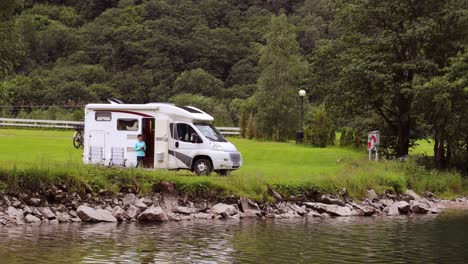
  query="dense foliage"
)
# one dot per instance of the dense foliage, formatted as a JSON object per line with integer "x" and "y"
{"x": 396, "y": 66}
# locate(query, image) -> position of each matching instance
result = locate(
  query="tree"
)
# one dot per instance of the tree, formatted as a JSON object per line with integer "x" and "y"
{"x": 200, "y": 82}
{"x": 282, "y": 70}
{"x": 385, "y": 47}
{"x": 443, "y": 100}
{"x": 11, "y": 46}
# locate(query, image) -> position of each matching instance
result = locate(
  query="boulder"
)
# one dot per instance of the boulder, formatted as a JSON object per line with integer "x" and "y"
{"x": 128, "y": 199}
{"x": 366, "y": 210}
{"x": 133, "y": 211}
{"x": 223, "y": 209}
{"x": 202, "y": 216}
{"x": 250, "y": 214}
{"x": 153, "y": 214}
{"x": 16, "y": 214}
{"x": 371, "y": 194}
{"x": 314, "y": 214}
{"x": 88, "y": 214}
{"x": 413, "y": 195}
{"x": 327, "y": 199}
{"x": 397, "y": 208}
{"x": 118, "y": 213}
{"x": 140, "y": 204}
{"x": 184, "y": 210}
{"x": 63, "y": 217}
{"x": 332, "y": 209}
{"x": 275, "y": 194}
{"x": 46, "y": 212}
{"x": 247, "y": 204}
{"x": 422, "y": 207}
{"x": 32, "y": 219}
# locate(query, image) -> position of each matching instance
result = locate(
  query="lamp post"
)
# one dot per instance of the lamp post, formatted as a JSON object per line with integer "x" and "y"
{"x": 300, "y": 133}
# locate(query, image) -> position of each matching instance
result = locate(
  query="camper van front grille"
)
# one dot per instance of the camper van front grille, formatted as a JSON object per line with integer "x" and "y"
{"x": 235, "y": 157}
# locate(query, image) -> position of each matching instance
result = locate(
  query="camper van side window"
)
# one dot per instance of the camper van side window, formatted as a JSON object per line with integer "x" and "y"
{"x": 103, "y": 116}
{"x": 184, "y": 132}
{"x": 127, "y": 124}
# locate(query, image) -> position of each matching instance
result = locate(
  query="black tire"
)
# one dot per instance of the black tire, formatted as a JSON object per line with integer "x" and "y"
{"x": 223, "y": 172}
{"x": 202, "y": 167}
{"x": 78, "y": 140}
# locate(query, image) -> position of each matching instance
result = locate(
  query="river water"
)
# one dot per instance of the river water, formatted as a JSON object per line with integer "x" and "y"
{"x": 423, "y": 239}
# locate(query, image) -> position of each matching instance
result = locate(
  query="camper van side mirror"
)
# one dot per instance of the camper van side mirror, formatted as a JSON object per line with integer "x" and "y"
{"x": 195, "y": 138}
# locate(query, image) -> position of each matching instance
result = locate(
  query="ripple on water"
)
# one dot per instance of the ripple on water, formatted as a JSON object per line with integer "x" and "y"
{"x": 422, "y": 239}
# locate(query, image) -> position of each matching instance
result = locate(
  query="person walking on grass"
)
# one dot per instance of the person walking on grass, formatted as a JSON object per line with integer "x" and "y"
{"x": 140, "y": 148}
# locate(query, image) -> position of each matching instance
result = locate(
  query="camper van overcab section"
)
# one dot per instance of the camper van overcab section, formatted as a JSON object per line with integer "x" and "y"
{"x": 176, "y": 138}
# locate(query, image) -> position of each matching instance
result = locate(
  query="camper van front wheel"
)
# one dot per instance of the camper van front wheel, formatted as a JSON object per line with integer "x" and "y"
{"x": 202, "y": 167}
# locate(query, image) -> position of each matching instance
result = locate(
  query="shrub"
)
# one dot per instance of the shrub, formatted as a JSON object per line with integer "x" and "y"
{"x": 321, "y": 131}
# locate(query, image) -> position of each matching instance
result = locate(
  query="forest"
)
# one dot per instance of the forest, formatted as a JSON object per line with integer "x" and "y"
{"x": 398, "y": 66}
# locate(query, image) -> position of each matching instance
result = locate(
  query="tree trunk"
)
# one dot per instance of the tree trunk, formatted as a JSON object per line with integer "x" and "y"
{"x": 439, "y": 149}
{"x": 403, "y": 138}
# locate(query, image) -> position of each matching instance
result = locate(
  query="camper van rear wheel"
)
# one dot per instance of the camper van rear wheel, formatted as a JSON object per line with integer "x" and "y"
{"x": 202, "y": 167}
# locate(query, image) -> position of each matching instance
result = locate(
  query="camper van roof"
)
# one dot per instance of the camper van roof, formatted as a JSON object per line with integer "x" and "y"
{"x": 188, "y": 112}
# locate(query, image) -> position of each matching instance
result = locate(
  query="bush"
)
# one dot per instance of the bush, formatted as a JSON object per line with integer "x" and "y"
{"x": 321, "y": 131}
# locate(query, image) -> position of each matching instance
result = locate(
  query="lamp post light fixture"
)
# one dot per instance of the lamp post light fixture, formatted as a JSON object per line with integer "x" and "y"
{"x": 300, "y": 133}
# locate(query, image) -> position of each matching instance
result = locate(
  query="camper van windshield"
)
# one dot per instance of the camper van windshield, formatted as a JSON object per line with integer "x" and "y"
{"x": 210, "y": 132}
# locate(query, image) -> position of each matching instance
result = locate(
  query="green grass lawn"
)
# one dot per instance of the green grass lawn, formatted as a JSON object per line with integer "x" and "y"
{"x": 32, "y": 156}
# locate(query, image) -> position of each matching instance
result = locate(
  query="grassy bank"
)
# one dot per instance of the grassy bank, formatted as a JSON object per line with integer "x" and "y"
{"x": 32, "y": 159}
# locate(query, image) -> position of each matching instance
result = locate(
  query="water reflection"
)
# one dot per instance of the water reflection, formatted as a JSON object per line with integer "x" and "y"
{"x": 425, "y": 239}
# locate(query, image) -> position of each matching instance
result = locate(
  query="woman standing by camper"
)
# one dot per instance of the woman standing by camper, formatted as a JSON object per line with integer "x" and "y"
{"x": 140, "y": 148}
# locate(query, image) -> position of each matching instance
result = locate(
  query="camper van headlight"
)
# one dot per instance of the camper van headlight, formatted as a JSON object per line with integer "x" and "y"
{"x": 217, "y": 147}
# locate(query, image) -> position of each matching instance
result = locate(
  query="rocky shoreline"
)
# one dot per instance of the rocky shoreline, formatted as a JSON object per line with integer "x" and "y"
{"x": 56, "y": 205}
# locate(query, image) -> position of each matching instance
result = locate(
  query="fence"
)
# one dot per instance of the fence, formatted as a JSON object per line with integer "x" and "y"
{"x": 62, "y": 124}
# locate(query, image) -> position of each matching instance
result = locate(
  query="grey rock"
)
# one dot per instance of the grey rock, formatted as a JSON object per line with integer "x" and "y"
{"x": 223, "y": 209}
{"x": 327, "y": 199}
{"x": 46, "y": 212}
{"x": 202, "y": 216}
{"x": 184, "y": 210}
{"x": 16, "y": 204}
{"x": 247, "y": 204}
{"x": 173, "y": 217}
{"x": 32, "y": 219}
{"x": 371, "y": 194}
{"x": 133, "y": 211}
{"x": 72, "y": 213}
{"x": 366, "y": 210}
{"x": 88, "y": 214}
{"x": 147, "y": 201}
{"x": 332, "y": 209}
{"x": 118, "y": 213}
{"x": 128, "y": 199}
{"x": 397, "y": 208}
{"x": 76, "y": 220}
{"x": 413, "y": 195}
{"x": 250, "y": 214}
{"x": 54, "y": 222}
{"x": 153, "y": 214}
{"x": 314, "y": 214}
{"x": 275, "y": 194}
{"x": 63, "y": 217}
{"x": 16, "y": 214}
{"x": 140, "y": 204}
{"x": 27, "y": 210}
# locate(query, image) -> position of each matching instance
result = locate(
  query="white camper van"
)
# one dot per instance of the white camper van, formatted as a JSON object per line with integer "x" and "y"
{"x": 176, "y": 138}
